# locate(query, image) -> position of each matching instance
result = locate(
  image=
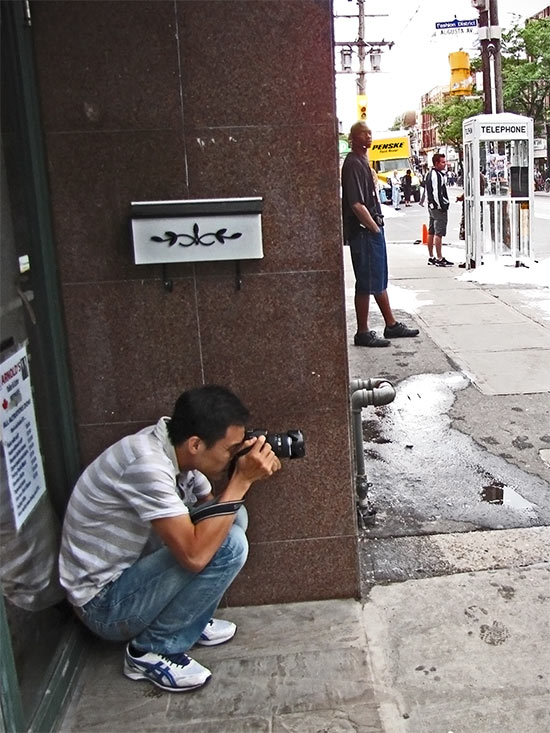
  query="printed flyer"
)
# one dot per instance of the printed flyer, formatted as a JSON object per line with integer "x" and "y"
{"x": 20, "y": 437}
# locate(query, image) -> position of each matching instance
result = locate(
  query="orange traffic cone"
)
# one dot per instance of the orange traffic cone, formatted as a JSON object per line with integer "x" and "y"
{"x": 424, "y": 234}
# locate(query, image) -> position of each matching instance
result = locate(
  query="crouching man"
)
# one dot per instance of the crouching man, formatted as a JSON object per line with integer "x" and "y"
{"x": 135, "y": 565}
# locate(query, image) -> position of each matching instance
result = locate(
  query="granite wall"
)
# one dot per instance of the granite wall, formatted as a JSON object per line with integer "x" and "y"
{"x": 176, "y": 99}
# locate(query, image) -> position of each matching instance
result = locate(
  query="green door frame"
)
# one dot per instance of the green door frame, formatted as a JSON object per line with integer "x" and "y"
{"x": 60, "y": 440}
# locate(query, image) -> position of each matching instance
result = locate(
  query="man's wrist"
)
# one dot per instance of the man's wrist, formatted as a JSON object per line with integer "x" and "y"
{"x": 236, "y": 489}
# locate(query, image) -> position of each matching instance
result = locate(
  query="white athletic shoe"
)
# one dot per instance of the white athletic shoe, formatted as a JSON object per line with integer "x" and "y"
{"x": 174, "y": 672}
{"x": 217, "y": 632}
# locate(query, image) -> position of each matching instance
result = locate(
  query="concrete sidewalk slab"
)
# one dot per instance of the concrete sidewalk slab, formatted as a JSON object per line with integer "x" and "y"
{"x": 533, "y": 303}
{"x": 427, "y": 284}
{"x": 449, "y": 298}
{"x": 509, "y": 372}
{"x": 398, "y": 559}
{"x": 487, "y": 313}
{"x": 289, "y": 668}
{"x": 469, "y": 337}
{"x": 466, "y": 653}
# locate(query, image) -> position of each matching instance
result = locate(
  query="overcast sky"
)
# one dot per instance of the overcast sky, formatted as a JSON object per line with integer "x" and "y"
{"x": 419, "y": 60}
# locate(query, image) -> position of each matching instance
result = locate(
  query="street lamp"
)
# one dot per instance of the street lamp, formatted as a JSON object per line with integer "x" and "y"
{"x": 345, "y": 58}
{"x": 375, "y": 58}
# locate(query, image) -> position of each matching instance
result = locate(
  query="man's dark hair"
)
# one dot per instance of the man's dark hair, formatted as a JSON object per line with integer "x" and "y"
{"x": 206, "y": 412}
{"x": 437, "y": 157}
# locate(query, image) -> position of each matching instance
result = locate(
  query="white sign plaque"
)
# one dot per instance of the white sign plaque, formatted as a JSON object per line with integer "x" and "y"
{"x": 20, "y": 437}
{"x": 196, "y": 230}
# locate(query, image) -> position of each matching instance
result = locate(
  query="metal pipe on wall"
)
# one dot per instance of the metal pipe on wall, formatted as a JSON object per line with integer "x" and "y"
{"x": 363, "y": 393}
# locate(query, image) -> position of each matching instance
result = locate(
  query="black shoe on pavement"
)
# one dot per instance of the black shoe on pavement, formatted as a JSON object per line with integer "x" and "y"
{"x": 369, "y": 338}
{"x": 399, "y": 330}
{"x": 443, "y": 263}
{"x": 431, "y": 261}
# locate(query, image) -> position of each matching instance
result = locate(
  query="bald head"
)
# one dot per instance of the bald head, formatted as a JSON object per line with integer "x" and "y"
{"x": 360, "y": 137}
{"x": 358, "y": 128}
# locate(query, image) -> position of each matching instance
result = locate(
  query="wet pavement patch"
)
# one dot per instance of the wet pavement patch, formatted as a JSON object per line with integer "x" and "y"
{"x": 425, "y": 475}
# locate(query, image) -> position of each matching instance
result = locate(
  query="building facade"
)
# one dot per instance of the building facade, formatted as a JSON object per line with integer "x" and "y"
{"x": 109, "y": 103}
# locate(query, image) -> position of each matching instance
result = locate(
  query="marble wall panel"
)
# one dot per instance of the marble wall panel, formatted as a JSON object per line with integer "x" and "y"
{"x": 294, "y": 171}
{"x": 256, "y": 63}
{"x": 94, "y": 177}
{"x": 133, "y": 348}
{"x": 284, "y": 572}
{"x": 110, "y": 65}
{"x": 276, "y": 338}
{"x": 310, "y": 496}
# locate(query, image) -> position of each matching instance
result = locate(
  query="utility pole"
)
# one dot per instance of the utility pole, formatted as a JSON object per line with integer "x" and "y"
{"x": 497, "y": 62}
{"x": 485, "y": 70}
{"x": 489, "y": 35}
{"x": 363, "y": 49}
{"x": 361, "y": 76}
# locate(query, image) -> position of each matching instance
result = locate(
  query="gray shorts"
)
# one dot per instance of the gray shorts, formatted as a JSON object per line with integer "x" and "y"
{"x": 438, "y": 222}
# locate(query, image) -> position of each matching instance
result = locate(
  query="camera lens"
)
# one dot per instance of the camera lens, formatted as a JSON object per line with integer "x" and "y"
{"x": 285, "y": 445}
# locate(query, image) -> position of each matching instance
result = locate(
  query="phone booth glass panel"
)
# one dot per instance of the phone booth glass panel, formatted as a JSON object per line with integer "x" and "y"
{"x": 498, "y": 187}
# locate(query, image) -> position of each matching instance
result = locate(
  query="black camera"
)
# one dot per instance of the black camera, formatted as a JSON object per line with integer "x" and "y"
{"x": 379, "y": 219}
{"x": 285, "y": 445}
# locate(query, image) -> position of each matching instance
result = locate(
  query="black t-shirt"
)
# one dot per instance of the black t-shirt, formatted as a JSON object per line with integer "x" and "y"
{"x": 357, "y": 187}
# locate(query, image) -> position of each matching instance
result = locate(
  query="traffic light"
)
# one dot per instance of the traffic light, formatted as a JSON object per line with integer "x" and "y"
{"x": 361, "y": 106}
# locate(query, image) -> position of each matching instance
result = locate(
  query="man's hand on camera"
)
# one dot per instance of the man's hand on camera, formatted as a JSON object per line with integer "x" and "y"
{"x": 259, "y": 462}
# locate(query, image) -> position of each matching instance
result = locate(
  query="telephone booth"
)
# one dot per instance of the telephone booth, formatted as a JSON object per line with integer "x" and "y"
{"x": 498, "y": 187}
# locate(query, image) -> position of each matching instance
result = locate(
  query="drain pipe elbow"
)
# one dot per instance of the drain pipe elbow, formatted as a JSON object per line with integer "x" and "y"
{"x": 375, "y": 392}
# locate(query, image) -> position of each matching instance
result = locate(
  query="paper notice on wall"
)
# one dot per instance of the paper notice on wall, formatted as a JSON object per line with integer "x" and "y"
{"x": 20, "y": 437}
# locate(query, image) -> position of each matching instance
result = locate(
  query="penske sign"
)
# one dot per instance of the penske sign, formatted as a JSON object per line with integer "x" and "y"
{"x": 384, "y": 149}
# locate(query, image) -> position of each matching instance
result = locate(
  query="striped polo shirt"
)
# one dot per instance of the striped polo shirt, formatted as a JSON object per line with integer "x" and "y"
{"x": 107, "y": 525}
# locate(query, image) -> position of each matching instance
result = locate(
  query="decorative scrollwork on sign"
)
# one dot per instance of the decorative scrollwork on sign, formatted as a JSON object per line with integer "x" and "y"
{"x": 188, "y": 240}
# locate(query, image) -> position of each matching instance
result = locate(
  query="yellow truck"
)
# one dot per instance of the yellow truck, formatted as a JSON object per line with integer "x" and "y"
{"x": 391, "y": 151}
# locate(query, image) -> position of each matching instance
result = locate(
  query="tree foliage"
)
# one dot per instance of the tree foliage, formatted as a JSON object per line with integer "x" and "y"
{"x": 398, "y": 123}
{"x": 526, "y": 70}
{"x": 449, "y": 115}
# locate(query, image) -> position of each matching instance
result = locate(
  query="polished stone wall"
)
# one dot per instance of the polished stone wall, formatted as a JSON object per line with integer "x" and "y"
{"x": 163, "y": 99}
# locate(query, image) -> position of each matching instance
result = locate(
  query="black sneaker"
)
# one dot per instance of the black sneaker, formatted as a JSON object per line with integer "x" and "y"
{"x": 443, "y": 263}
{"x": 399, "y": 330}
{"x": 369, "y": 338}
{"x": 432, "y": 261}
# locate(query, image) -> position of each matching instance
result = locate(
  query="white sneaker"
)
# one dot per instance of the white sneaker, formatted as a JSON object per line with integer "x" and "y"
{"x": 175, "y": 673}
{"x": 217, "y": 632}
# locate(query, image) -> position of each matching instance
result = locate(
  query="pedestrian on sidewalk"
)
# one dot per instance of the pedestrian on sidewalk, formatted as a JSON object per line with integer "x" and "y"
{"x": 364, "y": 232}
{"x": 438, "y": 207}
{"x": 147, "y": 552}
{"x": 407, "y": 187}
{"x": 395, "y": 191}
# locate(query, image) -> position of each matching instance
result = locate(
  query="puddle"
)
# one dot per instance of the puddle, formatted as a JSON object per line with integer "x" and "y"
{"x": 423, "y": 471}
{"x": 499, "y": 493}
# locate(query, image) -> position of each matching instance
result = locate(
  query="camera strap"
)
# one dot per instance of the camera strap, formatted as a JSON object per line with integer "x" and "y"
{"x": 217, "y": 509}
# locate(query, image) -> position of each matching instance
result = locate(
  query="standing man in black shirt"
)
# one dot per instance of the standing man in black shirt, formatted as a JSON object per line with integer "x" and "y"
{"x": 364, "y": 232}
{"x": 438, "y": 207}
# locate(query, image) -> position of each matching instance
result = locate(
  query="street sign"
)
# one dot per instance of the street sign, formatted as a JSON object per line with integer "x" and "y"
{"x": 343, "y": 147}
{"x": 456, "y": 27}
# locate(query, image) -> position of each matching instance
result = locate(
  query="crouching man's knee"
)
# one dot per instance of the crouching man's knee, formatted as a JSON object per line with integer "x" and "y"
{"x": 234, "y": 549}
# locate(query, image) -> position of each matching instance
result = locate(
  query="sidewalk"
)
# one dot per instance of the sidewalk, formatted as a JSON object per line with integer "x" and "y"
{"x": 467, "y": 652}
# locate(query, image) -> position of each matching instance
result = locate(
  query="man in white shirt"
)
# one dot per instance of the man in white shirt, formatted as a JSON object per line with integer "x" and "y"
{"x": 147, "y": 552}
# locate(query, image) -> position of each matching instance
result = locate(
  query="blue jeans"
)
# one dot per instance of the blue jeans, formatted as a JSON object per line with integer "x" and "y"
{"x": 395, "y": 196}
{"x": 370, "y": 262}
{"x": 158, "y": 604}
